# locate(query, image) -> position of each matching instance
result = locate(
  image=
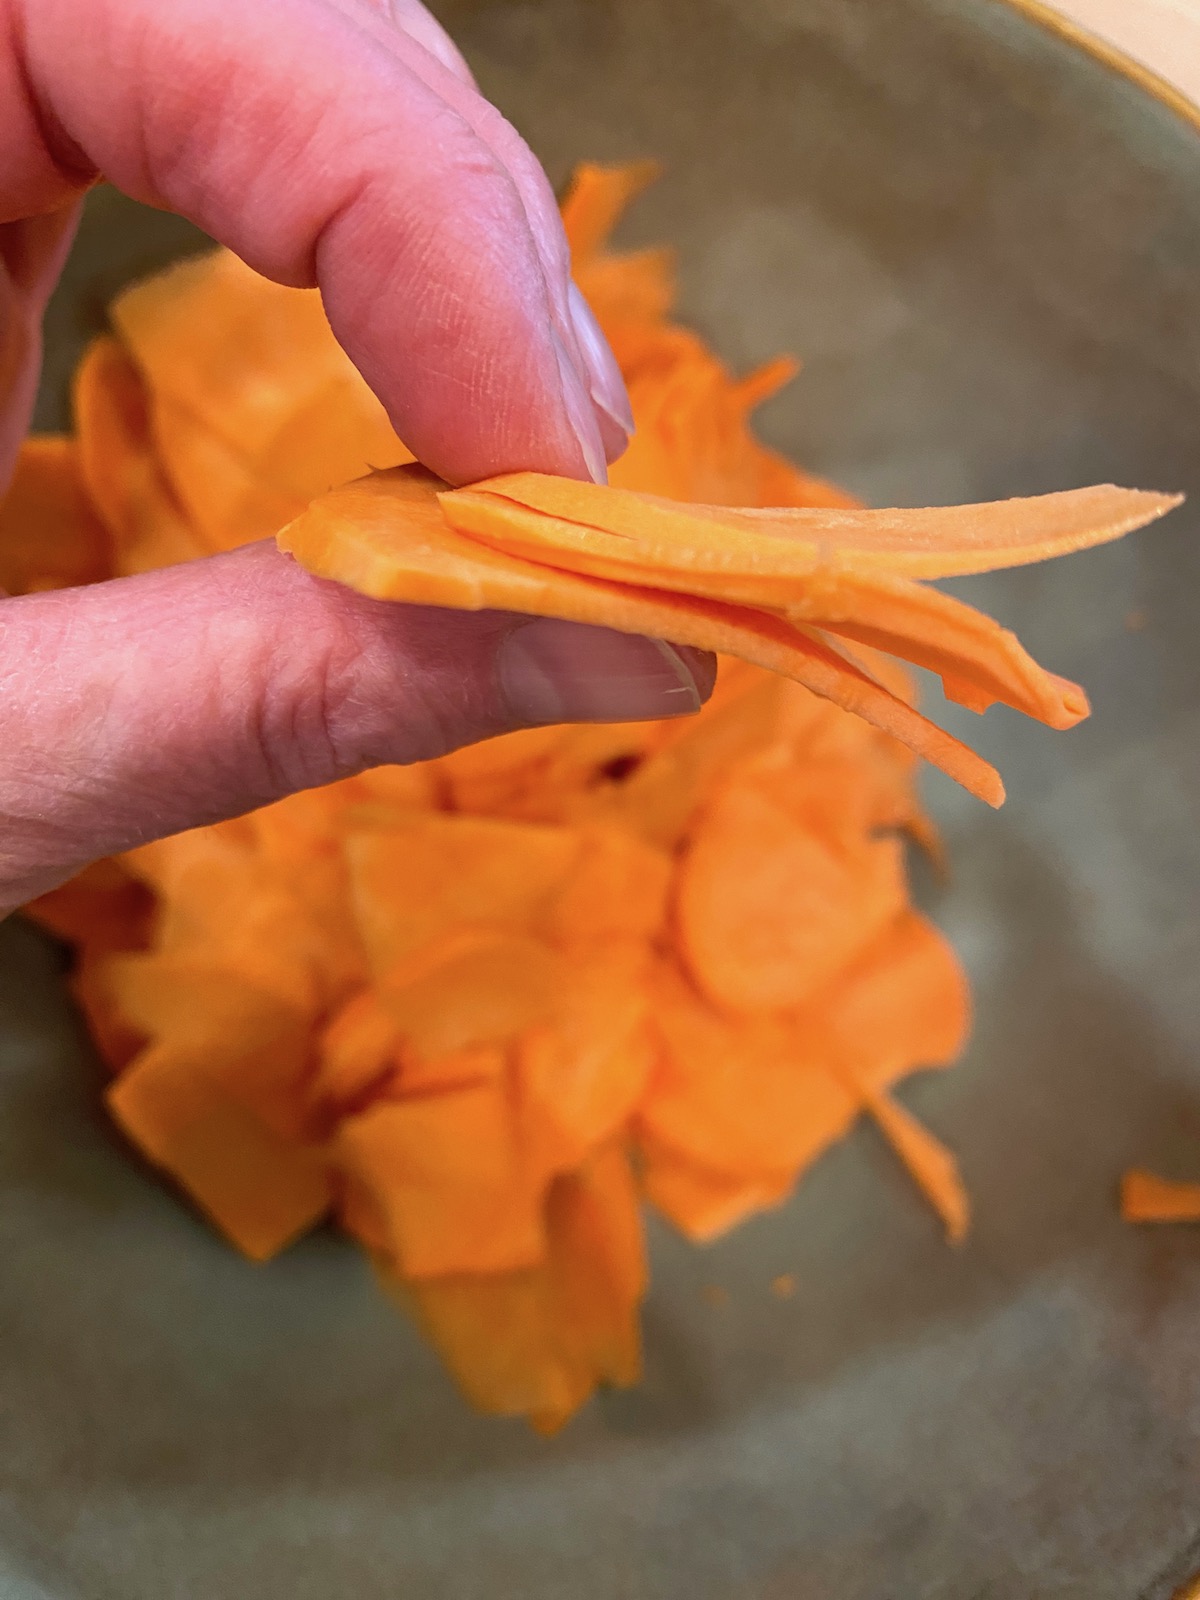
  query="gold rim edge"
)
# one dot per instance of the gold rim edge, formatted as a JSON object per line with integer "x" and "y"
{"x": 1113, "y": 57}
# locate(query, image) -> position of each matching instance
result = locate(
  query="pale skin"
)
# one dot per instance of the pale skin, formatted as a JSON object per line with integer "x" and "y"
{"x": 336, "y": 143}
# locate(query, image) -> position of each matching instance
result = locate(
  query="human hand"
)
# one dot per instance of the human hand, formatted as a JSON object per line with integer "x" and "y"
{"x": 340, "y": 143}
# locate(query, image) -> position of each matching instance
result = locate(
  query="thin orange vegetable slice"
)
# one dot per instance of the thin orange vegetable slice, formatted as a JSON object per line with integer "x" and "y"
{"x": 120, "y": 470}
{"x": 616, "y": 892}
{"x": 255, "y": 363}
{"x": 701, "y": 1202}
{"x": 487, "y": 988}
{"x": 595, "y": 202}
{"x": 50, "y": 537}
{"x": 580, "y": 1073}
{"x": 933, "y": 1167}
{"x": 648, "y": 531}
{"x": 217, "y": 489}
{"x": 255, "y": 1044}
{"x": 422, "y": 878}
{"x": 768, "y": 910}
{"x": 102, "y": 907}
{"x": 741, "y": 1097}
{"x": 262, "y": 1191}
{"x": 1145, "y": 1197}
{"x": 445, "y": 1174}
{"x": 536, "y": 1343}
{"x": 384, "y": 536}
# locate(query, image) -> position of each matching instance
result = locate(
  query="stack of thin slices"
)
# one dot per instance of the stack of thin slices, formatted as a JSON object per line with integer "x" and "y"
{"x": 481, "y": 1011}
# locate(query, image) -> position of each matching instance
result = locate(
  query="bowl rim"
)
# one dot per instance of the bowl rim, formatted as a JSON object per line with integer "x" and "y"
{"x": 1111, "y": 56}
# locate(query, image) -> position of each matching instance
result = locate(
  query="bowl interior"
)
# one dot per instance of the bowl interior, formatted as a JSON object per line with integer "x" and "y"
{"x": 983, "y": 244}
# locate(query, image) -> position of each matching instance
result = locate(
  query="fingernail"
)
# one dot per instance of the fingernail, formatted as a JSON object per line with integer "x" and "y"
{"x": 583, "y": 416}
{"x": 553, "y": 671}
{"x": 606, "y": 386}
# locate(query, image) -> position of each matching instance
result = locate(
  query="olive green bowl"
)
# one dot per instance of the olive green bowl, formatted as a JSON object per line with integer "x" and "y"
{"x": 984, "y": 241}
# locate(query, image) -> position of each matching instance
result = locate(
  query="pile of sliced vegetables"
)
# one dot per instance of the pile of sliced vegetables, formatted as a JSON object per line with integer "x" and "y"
{"x": 482, "y": 1010}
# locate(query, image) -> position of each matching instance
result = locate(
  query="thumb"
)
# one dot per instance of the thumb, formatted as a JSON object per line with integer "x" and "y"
{"x": 139, "y": 707}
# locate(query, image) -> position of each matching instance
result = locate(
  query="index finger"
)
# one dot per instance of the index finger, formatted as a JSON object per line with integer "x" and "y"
{"x": 300, "y": 138}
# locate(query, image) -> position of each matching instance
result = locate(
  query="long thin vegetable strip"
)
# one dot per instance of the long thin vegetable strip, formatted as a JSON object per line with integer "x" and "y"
{"x": 385, "y": 536}
{"x": 595, "y": 202}
{"x": 933, "y": 542}
{"x": 979, "y": 661}
{"x": 932, "y": 1166}
{"x": 1145, "y": 1197}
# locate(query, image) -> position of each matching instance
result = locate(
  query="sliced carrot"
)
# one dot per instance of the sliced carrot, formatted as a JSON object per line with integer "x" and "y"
{"x": 495, "y": 1334}
{"x": 764, "y": 1095}
{"x": 256, "y": 364}
{"x": 650, "y": 532}
{"x": 492, "y": 987}
{"x": 616, "y": 891}
{"x": 49, "y": 535}
{"x": 1145, "y": 1197}
{"x": 588, "y": 759}
{"x": 740, "y": 1097}
{"x": 271, "y": 944}
{"x": 536, "y": 1343}
{"x": 599, "y": 1256}
{"x": 580, "y": 1073}
{"x": 453, "y": 1003}
{"x": 122, "y": 475}
{"x": 116, "y": 1040}
{"x": 701, "y": 1202}
{"x": 384, "y": 537}
{"x": 491, "y": 776}
{"x": 933, "y": 1168}
{"x": 260, "y": 1190}
{"x": 446, "y": 1174}
{"x": 255, "y": 1045}
{"x": 904, "y": 1004}
{"x": 661, "y": 796}
{"x": 597, "y": 199}
{"x": 420, "y": 879}
{"x": 979, "y": 661}
{"x": 358, "y": 1056}
{"x": 102, "y": 908}
{"x": 769, "y": 910}
{"x": 216, "y": 487}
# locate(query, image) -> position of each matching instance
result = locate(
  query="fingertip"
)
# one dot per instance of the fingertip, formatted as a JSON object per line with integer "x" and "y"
{"x": 605, "y": 381}
{"x": 552, "y": 671}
